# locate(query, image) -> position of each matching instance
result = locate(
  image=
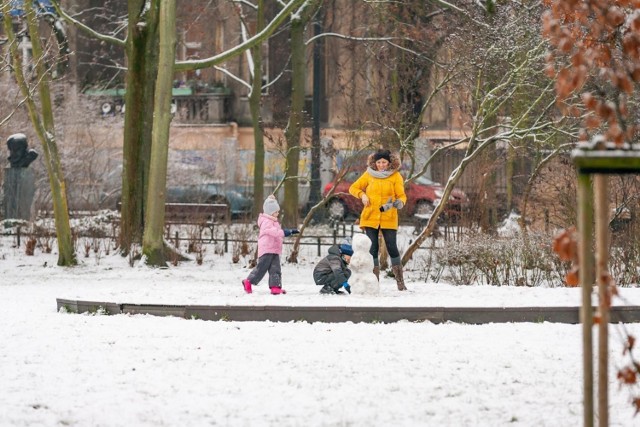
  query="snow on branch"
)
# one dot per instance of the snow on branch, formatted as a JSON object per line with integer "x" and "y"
{"x": 90, "y": 31}
{"x": 248, "y": 44}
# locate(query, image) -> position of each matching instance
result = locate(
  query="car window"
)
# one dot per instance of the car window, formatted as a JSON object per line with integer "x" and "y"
{"x": 423, "y": 180}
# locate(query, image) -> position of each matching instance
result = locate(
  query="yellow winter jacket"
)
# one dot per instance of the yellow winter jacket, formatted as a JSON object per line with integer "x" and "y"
{"x": 379, "y": 191}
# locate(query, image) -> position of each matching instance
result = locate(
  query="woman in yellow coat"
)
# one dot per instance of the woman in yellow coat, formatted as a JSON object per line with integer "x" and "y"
{"x": 381, "y": 189}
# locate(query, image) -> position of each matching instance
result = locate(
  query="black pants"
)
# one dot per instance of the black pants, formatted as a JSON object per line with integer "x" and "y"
{"x": 389, "y": 241}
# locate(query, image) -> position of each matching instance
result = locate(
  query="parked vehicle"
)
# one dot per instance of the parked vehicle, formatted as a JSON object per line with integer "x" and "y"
{"x": 239, "y": 205}
{"x": 422, "y": 196}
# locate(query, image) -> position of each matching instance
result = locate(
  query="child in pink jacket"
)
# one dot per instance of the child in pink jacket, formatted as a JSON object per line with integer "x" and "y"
{"x": 269, "y": 248}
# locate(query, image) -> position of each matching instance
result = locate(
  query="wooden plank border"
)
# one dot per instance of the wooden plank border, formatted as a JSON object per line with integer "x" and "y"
{"x": 337, "y": 314}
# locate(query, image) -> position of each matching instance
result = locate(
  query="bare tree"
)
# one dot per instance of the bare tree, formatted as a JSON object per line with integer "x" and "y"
{"x": 142, "y": 50}
{"x": 152, "y": 244}
{"x": 505, "y": 71}
{"x": 43, "y": 122}
{"x": 293, "y": 131}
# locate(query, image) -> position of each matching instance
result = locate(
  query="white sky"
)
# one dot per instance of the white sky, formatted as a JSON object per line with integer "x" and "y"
{"x": 86, "y": 370}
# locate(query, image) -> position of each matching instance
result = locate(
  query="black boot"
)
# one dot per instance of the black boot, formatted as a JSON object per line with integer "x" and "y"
{"x": 327, "y": 290}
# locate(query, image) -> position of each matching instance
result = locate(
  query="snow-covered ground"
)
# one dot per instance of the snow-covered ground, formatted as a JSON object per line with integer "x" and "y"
{"x": 91, "y": 370}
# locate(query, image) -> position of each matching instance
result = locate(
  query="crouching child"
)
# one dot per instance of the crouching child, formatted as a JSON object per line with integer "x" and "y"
{"x": 332, "y": 272}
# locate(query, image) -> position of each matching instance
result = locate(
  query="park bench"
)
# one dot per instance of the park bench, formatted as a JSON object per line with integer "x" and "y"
{"x": 195, "y": 213}
{"x": 202, "y": 215}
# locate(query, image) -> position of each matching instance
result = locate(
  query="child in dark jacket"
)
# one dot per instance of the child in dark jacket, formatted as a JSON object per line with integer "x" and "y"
{"x": 332, "y": 272}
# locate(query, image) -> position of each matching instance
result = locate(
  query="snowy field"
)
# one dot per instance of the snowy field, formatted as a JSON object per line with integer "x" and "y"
{"x": 62, "y": 369}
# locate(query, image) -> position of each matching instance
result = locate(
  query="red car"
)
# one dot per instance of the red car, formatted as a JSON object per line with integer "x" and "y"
{"x": 422, "y": 196}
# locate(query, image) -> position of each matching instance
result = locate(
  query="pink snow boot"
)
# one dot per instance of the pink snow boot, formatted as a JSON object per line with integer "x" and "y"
{"x": 277, "y": 291}
{"x": 246, "y": 284}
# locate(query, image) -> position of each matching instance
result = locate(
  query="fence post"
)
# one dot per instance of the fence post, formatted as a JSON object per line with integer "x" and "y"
{"x": 319, "y": 248}
{"x": 334, "y": 236}
{"x": 18, "y": 236}
{"x": 226, "y": 243}
{"x": 177, "y": 244}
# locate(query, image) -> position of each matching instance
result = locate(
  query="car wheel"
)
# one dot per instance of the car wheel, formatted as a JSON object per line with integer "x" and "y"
{"x": 424, "y": 209}
{"x": 337, "y": 210}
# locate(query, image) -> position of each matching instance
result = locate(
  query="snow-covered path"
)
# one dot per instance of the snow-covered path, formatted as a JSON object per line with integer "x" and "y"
{"x": 84, "y": 370}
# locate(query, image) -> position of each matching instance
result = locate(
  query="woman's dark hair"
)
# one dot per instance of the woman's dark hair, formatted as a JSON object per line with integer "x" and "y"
{"x": 382, "y": 154}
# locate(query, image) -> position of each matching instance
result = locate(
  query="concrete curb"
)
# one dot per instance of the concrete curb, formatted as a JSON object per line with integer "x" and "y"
{"x": 277, "y": 313}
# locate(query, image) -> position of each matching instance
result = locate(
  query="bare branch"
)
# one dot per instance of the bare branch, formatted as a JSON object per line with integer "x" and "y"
{"x": 90, "y": 31}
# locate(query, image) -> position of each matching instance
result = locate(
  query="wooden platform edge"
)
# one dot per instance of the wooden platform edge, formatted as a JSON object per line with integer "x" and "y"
{"x": 338, "y": 314}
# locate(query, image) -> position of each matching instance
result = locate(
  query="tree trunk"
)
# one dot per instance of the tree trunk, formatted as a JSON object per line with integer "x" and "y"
{"x": 294, "y": 127}
{"x": 601, "y": 205}
{"x": 255, "y": 103}
{"x": 509, "y": 168}
{"x": 153, "y": 244}
{"x": 43, "y": 124}
{"x": 142, "y": 56}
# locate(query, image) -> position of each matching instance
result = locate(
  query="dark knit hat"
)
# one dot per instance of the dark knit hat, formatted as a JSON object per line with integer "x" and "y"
{"x": 346, "y": 249}
{"x": 382, "y": 154}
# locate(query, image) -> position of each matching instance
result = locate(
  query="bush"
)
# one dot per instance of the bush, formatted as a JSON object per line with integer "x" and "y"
{"x": 482, "y": 259}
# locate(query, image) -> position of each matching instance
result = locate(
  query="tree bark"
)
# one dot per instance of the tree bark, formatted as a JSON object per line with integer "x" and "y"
{"x": 255, "y": 103}
{"x": 153, "y": 244}
{"x": 141, "y": 48}
{"x": 43, "y": 124}
{"x": 142, "y": 57}
{"x": 294, "y": 127}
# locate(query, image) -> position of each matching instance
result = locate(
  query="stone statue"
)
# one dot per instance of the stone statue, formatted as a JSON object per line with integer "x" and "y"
{"x": 19, "y": 155}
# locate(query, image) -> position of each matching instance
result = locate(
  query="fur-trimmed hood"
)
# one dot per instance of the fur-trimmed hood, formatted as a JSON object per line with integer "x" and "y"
{"x": 394, "y": 166}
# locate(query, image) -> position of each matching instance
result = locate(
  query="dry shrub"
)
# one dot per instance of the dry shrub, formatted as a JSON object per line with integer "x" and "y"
{"x": 107, "y": 246}
{"x": 199, "y": 251}
{"x": 45, "y": 238}
{"x": 218, "y": 249}
{"x": 194, "y": 233}
{"x": 510, "y": 261}
{"x": 134, "y": 254}
{"x": 44, "y": 243}
{"x": 30, "y": 245}
{"x": 86, "y": 246}
{"x": 174, "y": 257}
{"x": 241, "y": 245}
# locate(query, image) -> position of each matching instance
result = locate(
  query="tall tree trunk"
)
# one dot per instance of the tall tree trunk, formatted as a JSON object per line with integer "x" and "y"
{"x": 489, "y": 218}
{"x": 294, "y": 127}
{"x": 509, "y": 176}
{"x": 141, "y": 48}
{"x": 153, "y": 244}
{"x": 142, "y": 58}
{"x": 43, "y": 124}
{"x": 255, "y": 103}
